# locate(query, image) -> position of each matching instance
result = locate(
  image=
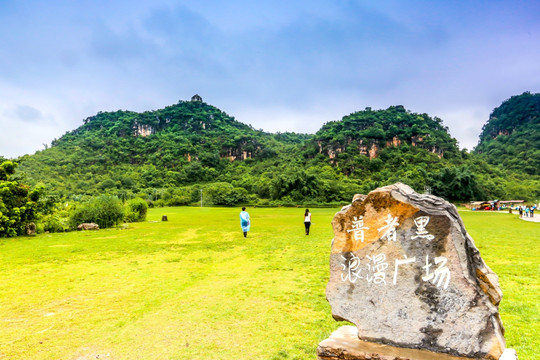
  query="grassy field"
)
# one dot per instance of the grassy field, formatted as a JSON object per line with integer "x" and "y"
{"x": 194, "y": 288}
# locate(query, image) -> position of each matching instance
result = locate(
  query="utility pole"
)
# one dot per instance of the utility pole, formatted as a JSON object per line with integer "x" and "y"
{"x": 201, "y": 197}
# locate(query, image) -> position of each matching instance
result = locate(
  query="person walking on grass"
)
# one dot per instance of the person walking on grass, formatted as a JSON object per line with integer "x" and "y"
{"x": 307, "y": 221}
{"x": 244, "y": 221}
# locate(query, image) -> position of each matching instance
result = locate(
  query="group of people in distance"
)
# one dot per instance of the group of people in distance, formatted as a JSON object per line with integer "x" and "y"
{"x": 527, "y": 211}
{"x": 245, "y": 222}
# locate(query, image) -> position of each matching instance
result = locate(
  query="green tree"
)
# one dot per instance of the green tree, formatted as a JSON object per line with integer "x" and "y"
{"x": 225, "y": 194}
{"x": 136, "y": 210}
{"x": 18, "y": 203}
{"x": 456, "y": 183}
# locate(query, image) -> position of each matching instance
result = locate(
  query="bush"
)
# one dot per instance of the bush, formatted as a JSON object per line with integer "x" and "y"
{"x": 225, "y": 194}
{"x": 179, "y": 200}
{"x": 136, "y": 210}
{"x": 157, "y": 203}
{"x": 54, "y": 223}
{"x": 263, "y": 202}
{"x": 106, "y": 211}
{"x": 177, "y": 196}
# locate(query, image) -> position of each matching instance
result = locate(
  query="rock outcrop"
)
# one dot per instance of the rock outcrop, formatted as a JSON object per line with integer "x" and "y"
{"x": 405, "y": 271}
{"x": 88, "y": 226}
{"x": 30, "y": 229}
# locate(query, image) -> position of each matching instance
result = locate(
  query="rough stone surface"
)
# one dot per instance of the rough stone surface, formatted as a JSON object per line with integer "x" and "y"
{"x": 88, "y": 226}
{"x": 344, "y": 344}
{"x": 31, "y": 229}
{"x": 404, "y": 270}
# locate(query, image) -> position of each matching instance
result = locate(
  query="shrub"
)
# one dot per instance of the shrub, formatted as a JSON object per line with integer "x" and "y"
{"x": 106, "y": 211}
{"x": 136, "y": 210}
{"x": 179, "y": 200}
{"x": 263, "y": 202}
{"x": 177, "y": 196}
{"x": 54, "y": 223}
{"x": 225, "y": 194}
{"x": 157, "y": 203}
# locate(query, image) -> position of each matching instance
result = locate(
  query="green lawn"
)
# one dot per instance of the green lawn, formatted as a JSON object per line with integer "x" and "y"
{"x": 194, "y": 288}
{"x": 510, "y": 246}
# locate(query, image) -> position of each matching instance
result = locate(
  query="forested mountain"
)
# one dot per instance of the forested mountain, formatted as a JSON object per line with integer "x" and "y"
{"x": 366, "y": 132}
{"x": 186, "y": 143}
{"x": 511, "y": 137}
{"x": 169, "y": 155}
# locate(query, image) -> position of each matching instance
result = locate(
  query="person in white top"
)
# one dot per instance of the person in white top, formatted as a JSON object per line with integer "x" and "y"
{"x": 307, "y": 221}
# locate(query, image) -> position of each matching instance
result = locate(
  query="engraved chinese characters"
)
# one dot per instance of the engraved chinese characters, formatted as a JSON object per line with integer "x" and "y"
{"x": 352, "y": 267}
{"x": 406, "y": 273}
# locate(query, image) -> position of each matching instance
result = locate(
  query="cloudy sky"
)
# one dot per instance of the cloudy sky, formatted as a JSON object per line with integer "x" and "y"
{"x": 277, "y": 65}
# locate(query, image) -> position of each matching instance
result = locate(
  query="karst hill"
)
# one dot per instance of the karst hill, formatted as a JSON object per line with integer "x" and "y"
{"x": 192, "y": 144}
{"x": 511, "y": 137}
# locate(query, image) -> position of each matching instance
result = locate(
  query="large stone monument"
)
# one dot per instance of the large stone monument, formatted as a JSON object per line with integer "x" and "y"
{"x": 404, "y": 270}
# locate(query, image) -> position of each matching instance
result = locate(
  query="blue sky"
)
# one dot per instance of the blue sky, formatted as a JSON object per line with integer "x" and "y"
{"x": 277, "y": 65}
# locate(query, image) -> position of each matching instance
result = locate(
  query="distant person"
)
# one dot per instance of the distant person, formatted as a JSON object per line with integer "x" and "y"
{"x": 244, "y": 221}
{"x": 527, "y": 211}
{"x": 307, "y": 221}
{"x": 520, "y": 211}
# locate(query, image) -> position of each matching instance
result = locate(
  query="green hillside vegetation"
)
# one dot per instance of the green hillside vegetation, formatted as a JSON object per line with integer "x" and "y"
{"x": 364, "y": 130}
{"x": 511, "y": 137}
{"x": 386, "y": 146}
{"x": 126, "y": 153}
{"x": 168, "y": 156}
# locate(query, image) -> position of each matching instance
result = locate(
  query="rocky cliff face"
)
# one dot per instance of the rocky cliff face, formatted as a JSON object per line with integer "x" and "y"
{"x": 142, "y": 129}
{"x": 372, "y": 148}
{"x": 235, "y": 154}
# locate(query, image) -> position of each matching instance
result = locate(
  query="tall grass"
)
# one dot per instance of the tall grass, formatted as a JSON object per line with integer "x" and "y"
{"x": 194, "y": 288}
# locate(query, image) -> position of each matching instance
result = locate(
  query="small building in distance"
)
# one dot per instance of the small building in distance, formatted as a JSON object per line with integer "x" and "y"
{"x": 511, "y": 203}
{"x": 196, "y": 98}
